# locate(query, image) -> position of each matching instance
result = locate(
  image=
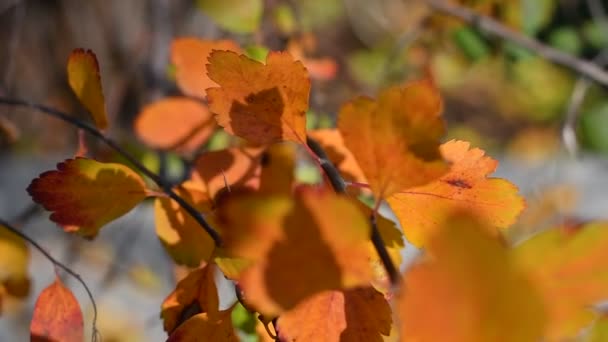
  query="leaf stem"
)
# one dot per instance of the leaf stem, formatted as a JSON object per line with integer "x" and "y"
{"x": 165, "y": 186}
{"x": 339, "y": 186}
{"x": 58, "y": 264}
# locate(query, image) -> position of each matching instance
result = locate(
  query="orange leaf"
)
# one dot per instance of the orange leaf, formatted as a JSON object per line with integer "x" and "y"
{"x": 175, "y": 123}
{"x": 333, "y": 144}
{"x": 84, "y": 79}
{"x": 57, "y": 316}
{"x": 298, "y": 246}
{"x": 202, "y": 328}
{"x": 493, "y": 201}
{"x": 260, "y": 103}
{"x": 278, "y": 163}
{"x": 395, "y": 139}
{"x": 360, "y": 314}
{"x": 84, "y": 194}
{"x": 568, "y": 264}
{"x": 239, "y": 166}
{"x": 183, "y": 237}
{"x": 189, "y": 56}
{"x": 468, "y": 289}
{"x": 194, "y": 294}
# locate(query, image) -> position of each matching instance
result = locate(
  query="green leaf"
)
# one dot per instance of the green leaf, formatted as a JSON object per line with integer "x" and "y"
{"x": 238, "y": 16}
{"x": 593, "y": 127}
{"x": 471, "y": 43}
{"x": 566, "y": 39}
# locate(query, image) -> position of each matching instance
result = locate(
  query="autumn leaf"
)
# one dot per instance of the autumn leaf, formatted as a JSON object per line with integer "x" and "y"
{"x": 202, "y": 328}
{"x": 262, "y": 103}
{"x": 196, "y": 293}
{"x": 85, "y": 81}
{"x": 181, "y": 235}
{"x": 333, "y": 144}
{"x": 298, "y": 246}
{"x": 14, "y": 279}
{"x": 57, "y": 316}
{"x": 189, "y": 56}
{"x": 235, "y": 167}
{"x": 568, "y": 264}
{"x": 494, "y": 202}
{"x": 278, "y": 164}
{"x": 358, "y": 314}
{"x": 175, "y": 123}
{"x": 85, "y": 194}
{"x": 468, "y": 289}
{"x": 395, "y": 139}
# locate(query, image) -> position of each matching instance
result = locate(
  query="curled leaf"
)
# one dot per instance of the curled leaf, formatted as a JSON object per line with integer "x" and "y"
{"x": 194, "y": 294}
{"x": 85, "y": 81}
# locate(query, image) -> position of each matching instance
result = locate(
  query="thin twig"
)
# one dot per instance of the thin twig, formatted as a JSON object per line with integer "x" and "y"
{"x": 57, "y": 263}
{"x": 339, "y": 186}
{"x": 493, "y": 27}
{"x": 165, "y": 186}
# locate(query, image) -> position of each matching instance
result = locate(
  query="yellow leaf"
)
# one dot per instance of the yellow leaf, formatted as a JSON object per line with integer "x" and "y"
{"x": 85, "y": 81}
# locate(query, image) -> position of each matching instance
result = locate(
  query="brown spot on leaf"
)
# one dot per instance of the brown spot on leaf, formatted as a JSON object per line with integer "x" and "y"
{"x": 459, "y": 183}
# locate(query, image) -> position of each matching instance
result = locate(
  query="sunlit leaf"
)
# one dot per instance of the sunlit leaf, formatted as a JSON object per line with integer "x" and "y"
{"x": 278, "y": 165}
{"x": 85, "y": 194}
{"x": 175, "y": 123}
{"x": 57, "y": 316}
{"x": 235, "y": 167}
{"x": 314, "y": 242}
{"x": 568, "y": 264}
{"x": 238, "y": 16}
{"x": 333, "y": 144}
{"x": 196, "y": 293}
{"x": 202, "y": 328}
{"x": 189, "y": 56}
{"x": 468, "y": 289}
{"x": 181, "y": 235}
{"x": 262, "y": 103}
{"x": 359, "y": 314}
{"x": 395, "y": 139}
{"x": 494, "y": 202}
{"x": 85, "y": 81}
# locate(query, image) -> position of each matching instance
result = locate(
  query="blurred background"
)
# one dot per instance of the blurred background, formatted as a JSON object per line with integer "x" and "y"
{"x": 546, "y": 124}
